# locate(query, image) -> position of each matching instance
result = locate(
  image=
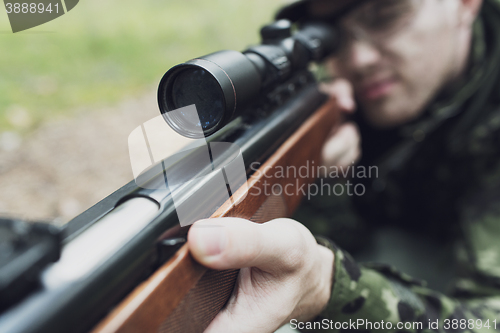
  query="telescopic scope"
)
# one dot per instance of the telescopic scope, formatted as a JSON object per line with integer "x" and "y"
{"x": 223, "y": 85}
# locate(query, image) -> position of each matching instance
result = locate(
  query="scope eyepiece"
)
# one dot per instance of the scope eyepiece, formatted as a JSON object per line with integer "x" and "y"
{"x": 218, "y": 84}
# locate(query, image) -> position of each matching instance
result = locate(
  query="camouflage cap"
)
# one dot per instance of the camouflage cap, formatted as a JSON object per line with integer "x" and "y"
{"x": 322, "y": 9}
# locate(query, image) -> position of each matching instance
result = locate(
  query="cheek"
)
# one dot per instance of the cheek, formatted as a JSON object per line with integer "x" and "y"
{"x": 421, "y": 59}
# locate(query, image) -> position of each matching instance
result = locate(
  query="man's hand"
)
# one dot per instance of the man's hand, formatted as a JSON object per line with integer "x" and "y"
{"x": 342, "y": 148}
{"x": 284, "y": 273}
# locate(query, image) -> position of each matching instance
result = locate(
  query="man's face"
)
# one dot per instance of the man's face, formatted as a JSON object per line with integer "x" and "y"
{"x": 396, "y": 73}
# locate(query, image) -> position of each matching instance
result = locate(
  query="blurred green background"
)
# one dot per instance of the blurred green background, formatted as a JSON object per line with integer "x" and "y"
{"x": 104, "y": 51}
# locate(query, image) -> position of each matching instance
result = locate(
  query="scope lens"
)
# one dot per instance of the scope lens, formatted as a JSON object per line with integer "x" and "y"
{"x": 197, "y": 86}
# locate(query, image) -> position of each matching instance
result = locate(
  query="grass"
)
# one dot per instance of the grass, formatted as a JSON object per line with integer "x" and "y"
{"x": 105, "y": 51}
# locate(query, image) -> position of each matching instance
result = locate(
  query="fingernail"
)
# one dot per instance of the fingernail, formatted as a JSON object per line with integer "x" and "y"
{"x": 212, "y": 240}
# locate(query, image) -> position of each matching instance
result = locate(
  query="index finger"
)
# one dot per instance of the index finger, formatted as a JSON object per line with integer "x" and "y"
{"x": 342, "y": 91}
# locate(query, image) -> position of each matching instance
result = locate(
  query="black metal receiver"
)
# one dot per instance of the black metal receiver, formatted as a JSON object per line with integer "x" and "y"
{"x": 26, "y": 248}
{"x": 227, "y": 84}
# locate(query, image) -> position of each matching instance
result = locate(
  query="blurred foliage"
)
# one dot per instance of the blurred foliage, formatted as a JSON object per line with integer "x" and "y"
{"x": 104, "y": 51}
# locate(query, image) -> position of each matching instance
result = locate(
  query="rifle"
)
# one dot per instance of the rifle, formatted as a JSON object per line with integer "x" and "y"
{"x": 123, "y": 265}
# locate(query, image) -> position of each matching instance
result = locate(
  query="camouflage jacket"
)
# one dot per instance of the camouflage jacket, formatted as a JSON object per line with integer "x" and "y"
{"x": 439, "y": 175}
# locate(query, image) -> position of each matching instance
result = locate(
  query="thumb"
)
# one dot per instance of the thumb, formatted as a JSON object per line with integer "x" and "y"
{"x": 228, "y": 243}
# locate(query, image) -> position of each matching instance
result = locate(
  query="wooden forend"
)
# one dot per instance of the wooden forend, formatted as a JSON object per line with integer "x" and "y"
{"x": 183, "y": 296}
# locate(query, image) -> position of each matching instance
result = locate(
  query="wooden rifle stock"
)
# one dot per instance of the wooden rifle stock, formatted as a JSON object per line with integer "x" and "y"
{"x": 183, "y": 296}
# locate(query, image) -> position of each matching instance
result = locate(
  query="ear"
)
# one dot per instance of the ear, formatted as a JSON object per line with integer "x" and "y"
{"x": 469, "y": 11}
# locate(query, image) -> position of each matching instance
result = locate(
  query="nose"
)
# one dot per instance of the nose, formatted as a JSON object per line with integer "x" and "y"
{"x": 363, "y": 54}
